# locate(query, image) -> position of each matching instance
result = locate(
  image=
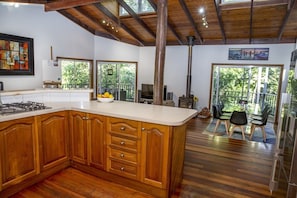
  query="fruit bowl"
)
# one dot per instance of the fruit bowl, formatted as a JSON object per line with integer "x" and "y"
{"x": 106, "y": 100}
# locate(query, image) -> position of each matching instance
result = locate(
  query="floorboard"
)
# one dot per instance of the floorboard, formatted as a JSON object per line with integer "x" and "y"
{"x": 214, "y": 167}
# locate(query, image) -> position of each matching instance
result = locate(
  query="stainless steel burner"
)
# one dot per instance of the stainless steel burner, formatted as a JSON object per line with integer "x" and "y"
{"x": 12, "y": 108}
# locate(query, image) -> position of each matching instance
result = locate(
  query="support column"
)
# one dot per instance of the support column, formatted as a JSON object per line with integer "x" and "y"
{"x": 160, "y": 51}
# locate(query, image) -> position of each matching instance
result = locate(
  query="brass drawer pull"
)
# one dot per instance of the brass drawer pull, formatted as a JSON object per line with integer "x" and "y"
{"x": 122, "y": 128}
{"x": 122, "y": 155}
{"x": 123, "y": 168}
{"x": 122, "y": 143}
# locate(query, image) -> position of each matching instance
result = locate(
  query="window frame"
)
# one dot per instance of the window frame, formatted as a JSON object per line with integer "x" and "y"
{"x": 91, "y": 72}
{"x": 138, "y": 12}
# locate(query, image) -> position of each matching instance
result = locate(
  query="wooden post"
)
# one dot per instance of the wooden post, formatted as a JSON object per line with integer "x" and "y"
{"x": 160, "y": 51}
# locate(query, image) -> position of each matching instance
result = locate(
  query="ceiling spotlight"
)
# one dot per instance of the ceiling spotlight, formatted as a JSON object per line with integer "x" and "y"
{"x": 201, "y": 10}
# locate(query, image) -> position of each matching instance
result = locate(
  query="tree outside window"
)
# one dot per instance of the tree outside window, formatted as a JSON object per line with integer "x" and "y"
{"x": 76, "y": 73}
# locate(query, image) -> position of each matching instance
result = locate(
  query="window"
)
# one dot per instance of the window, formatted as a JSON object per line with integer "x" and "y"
{"x": 258, "y": 84}
{"x": 138, "y": 6}
{"x": 118, "y": 78}
{"x": 76, "y": 73}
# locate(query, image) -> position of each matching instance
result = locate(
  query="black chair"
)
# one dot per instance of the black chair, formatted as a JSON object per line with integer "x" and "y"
{"x": 223, "y": 112}
{"x": 260, "y": 123}
{"x": 238, "y": 119}
{"x": 220, "y": 118}
{"x": 260, "y": 115}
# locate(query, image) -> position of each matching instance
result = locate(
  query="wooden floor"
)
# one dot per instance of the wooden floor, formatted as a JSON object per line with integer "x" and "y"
{"x": 214, "y": 167}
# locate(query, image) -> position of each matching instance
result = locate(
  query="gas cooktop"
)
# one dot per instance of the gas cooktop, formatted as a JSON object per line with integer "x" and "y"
{"x": 19, "y": 107}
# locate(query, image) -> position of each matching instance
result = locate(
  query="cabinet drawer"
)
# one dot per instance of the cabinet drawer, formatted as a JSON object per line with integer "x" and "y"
{"x": 122, "y": 155}
{"x": 123, "y": 142}
{"x": 123, "y": 169}
{"x": 127, "y": 127}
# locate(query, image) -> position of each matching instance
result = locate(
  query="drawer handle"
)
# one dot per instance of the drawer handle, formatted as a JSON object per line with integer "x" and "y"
{"x": 122, "y": 143}
{"x": 123, "y": 168}
{"x": 122, "y": 155}
{"x": 143, "y": 129}
{"x": 122, "y": 128}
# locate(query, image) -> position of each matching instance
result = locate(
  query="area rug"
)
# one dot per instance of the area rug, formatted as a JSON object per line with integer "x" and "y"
{"x": 257, "y": 137}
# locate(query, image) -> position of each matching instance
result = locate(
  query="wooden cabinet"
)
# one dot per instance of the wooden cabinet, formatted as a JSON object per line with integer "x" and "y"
{"x": 123, "y": 147}
{"x": 78, "y": 134}
{"x": 96, "y": 141}
{"x": 19, "y": 151}
{"x": 151, "y": 154}
{"x": 53, "y": 139}
{"x": 155, "y": 154}
{"x": 88, "y": 139}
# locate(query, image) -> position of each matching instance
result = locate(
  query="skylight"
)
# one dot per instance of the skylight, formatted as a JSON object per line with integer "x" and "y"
{"x": 138, "y": 6}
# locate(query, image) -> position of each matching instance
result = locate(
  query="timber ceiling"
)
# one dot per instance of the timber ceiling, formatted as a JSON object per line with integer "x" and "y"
{"x": 252, "y": 22}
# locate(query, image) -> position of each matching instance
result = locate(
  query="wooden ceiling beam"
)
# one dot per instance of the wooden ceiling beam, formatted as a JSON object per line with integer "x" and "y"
{"x": 286, "y": 18}
{"x": 232, "y": 6}
{"x": 219, "y": 15}
{"x": 169, "y": 24}
{"x": 187, "y": 12}
{"x": 93, "y": 31}
{"x": 112, "y": 17}
{"x": 61, "y": 5}
{"x": 135, "y": 16}
{"x": 95, "y": 22}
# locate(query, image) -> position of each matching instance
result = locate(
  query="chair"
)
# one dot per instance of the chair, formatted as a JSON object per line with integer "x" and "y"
{"x": 259, "y": 116}
{"x": 220, "y": 118}
{"x": 260, "y": 123}
{"x": 222, "y": 111}
{"x": 238, "y": 119}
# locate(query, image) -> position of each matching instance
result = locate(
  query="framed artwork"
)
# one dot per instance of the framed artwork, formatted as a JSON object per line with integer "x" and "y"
{"x": 248, "y": 53}
{"x": 16, "y": 55}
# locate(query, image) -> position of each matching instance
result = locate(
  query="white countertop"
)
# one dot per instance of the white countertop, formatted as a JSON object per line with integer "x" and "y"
{"x": 171, "y": 116}
{"x": 45, "y": 90}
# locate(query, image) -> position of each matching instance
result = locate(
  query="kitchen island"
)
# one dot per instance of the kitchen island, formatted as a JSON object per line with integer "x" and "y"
{"x": 136, "y": 145}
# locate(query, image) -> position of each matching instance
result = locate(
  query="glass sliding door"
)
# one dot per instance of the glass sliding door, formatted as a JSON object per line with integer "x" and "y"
{"x": 257, "y": 84}
{"x": 118, "y": 78}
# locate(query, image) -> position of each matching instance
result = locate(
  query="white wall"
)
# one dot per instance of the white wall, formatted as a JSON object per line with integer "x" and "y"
{"x": 47, "y": 29}
{"x": 70, "y": 40}
{"x": 176, "y": 65}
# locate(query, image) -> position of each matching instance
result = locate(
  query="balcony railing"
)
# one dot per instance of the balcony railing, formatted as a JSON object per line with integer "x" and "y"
{"x": 232, "y": 98}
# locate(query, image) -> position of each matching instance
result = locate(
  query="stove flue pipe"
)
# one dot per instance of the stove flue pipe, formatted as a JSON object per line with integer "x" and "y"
{"x": 191, "y": 40}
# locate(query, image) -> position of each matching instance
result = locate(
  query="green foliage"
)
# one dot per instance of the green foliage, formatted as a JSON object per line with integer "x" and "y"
{"x": 75, "y": 73}
{"x": 241, "y": 82}
{"x": 114, "y": 77}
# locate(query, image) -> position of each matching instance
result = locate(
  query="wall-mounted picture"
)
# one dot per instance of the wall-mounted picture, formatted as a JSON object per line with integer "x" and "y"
{"x": 16, "y": 55}
{"x": 248, "y": 53}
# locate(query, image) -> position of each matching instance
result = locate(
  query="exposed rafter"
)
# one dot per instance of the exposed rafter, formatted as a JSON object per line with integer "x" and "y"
{"x": 169, "y": 25}
{"x": 217, "y": 3}
{"x": 230, "y": 23}
{"x": 61, "y": 5}
{"x": 94, "y": 22}
{"x": 93, "y": 31}
{"x": 105, "y": 11}
{"x": 290, "y": 8}
{"x": 187, "y": 12}
{"x": 135, "y": 16}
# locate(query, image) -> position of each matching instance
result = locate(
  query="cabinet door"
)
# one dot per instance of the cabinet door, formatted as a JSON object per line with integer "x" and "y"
{"x": 18, "y": 151}
{"x": 155, "y": 150}
{"x": 78, "y": 132}
{"x": 96, "y": 141}
{"x": 53, "y": 139}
